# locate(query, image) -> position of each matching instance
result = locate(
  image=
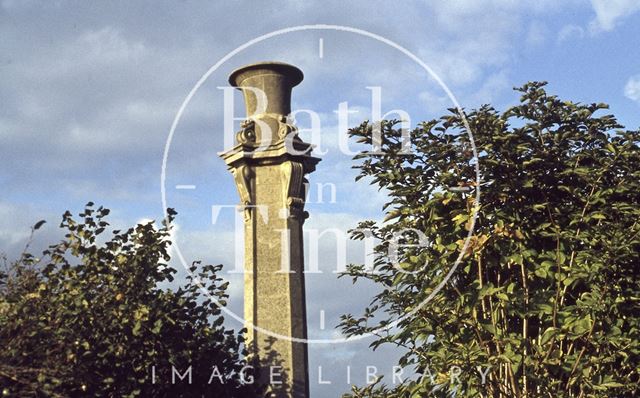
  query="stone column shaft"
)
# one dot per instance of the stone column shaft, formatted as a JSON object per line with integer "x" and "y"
{"x": 268, "y": 165}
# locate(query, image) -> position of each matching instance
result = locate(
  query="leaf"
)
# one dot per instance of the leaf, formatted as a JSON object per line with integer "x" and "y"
{"x": 136, "y": 328}
{"x": 611, "y": 148}
{"x": 612, "y": 384}
{"x": 540, "y": 272}
{"x": 157, "y": 326}
{"x": 391, "y": 215}
{"x": 460, "y": 218}
{"x": 582, "y": 325}
{"x": 548, "y": 334}
{"x": 502, "y": 296}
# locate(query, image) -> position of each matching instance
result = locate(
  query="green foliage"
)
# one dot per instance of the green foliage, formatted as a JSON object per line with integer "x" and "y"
{"x": 89, "y": 319}
{"x": 546, "y": 293}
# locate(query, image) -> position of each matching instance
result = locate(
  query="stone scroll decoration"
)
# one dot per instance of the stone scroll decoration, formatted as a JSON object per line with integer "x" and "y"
{"x": 294, "y": 183}
{"x": 248, "y": 134}
{"x": 292, "y": 171}
{"x": 242, "y": 176}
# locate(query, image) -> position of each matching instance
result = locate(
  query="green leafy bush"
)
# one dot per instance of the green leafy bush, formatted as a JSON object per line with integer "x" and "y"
{"x": 90, "y": 319}
{"x": 546, "y": 295}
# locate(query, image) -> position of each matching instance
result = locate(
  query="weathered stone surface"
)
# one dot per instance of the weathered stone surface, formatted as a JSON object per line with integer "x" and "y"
{"x": 270, "y": 179}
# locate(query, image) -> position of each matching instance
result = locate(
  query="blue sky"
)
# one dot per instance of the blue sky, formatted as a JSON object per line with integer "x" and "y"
{"x": 88, "y": 92}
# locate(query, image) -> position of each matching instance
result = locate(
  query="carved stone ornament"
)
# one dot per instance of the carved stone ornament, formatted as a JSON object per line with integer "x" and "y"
{"x": 285, "y": 128}
{"x": 242, "y": 176}
{"x": 293, "y": 181}
{"x": 247, "y": 133}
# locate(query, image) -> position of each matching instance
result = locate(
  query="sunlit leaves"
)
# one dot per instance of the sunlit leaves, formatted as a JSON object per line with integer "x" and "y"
{"x": 93, "y": 315}
{"x": 547, "y": 290}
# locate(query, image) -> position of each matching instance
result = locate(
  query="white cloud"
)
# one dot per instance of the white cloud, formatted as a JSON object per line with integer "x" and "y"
{"x": 632, "y": 88}
{"x": 491, "y": 89}
{"x": 14, "y": 228}
{"x": 109, "y": 44}
{"x": 96, "y": 101}
{"x": 537, "y": 34}
{"x": 570, "y": 31}
{"x": 610, "y": 12}
{"x": 16, "y": 221}
{"x": 434, "y": 100}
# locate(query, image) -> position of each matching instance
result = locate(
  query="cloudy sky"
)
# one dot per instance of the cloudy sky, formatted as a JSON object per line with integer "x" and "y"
{"x": 89, "y": 92}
